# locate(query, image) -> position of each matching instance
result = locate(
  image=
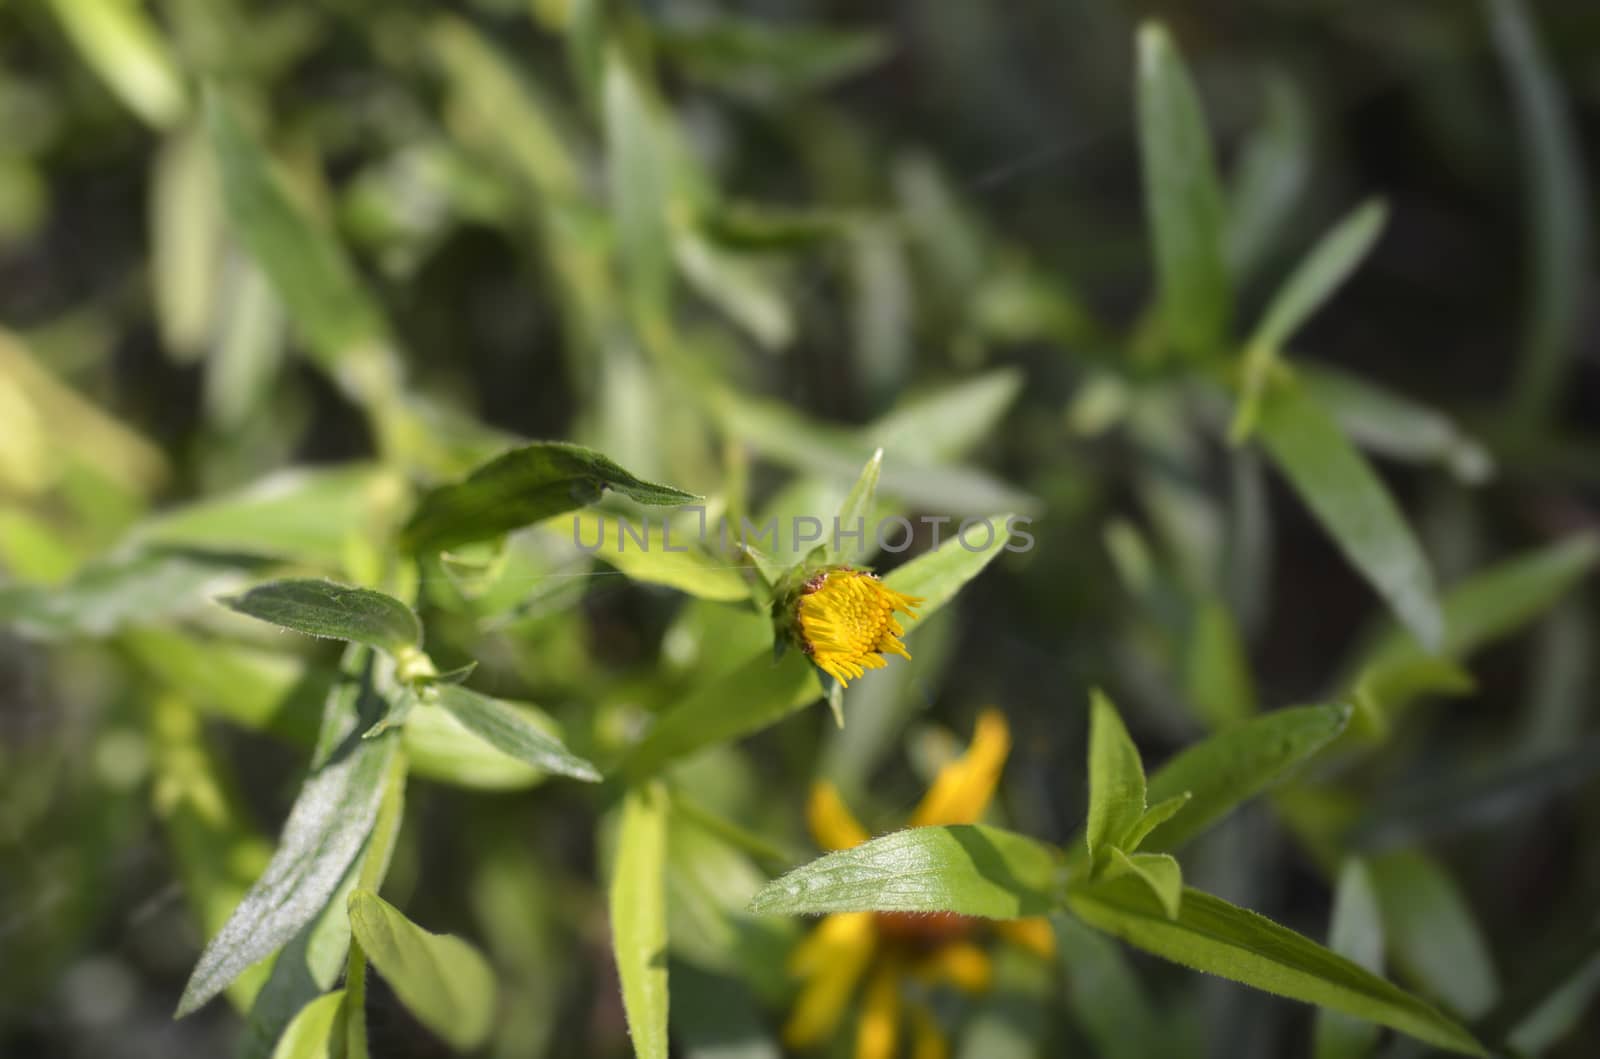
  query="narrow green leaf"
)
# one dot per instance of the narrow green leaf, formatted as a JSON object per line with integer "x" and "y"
{"x": 638, "y": 897}
{"x": 1269, "y": 179}
{"x": 1116, "y": 779}
{"x": 441, "y": 748}
{"x": 765, "y": 61}
{"x": 1320, "y": 273}
{"x": 1217, "y": 668}
{"x": 669, "y": 555}
{"x": 746, "y": 699}
{"x": 1431, "y": 933}
{"x": 520, "y": 487}
{"x": 1350, "y": 501}
{"x": 501, "y": 110}
{"x": 500, "y": 725}
{"x": 440, "y": 979}
{"x": 315, "y": 280}
{"x": 949, "y": 422}
{"x": 1395, "y": 426}
{"x": 1481, "y": 609}
{"x": 793, "y": 440}
{"x": 1237, "y": 764}
{"x": 336, "y": 612}
{"x": 1356, "y": 933}
{"x": 1153, "y": 818}
{"x": 326, "y": 829}
{"x": 215, "y": 850}
{"x": 856, "y": 511}
{"x": 1557, "y": 208}
{"x": 938, "y": 575}
{"x": 1183, "y": 199}
{"x": 310, "y": 1035}
{"x": 303, "y": 514}
{"x": 1105, "y": 995}
{"x": 968, "y": 869}
{"x": 310, "y": 963}
{"x": 122, "y": 45}
{"x": 186, "y": 242}
{"x": 1213, "y": 936}
{"x": 110, "y": 594}
{"x": 1159, "y": 871}
{"x": 639, "y": 173}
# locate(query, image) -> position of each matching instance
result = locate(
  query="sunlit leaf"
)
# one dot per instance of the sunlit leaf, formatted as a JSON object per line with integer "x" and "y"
{"x": 309, "y": 270}
{"x": 502, "y": 726}
{"x": 638, "y": 903}
{"x": 310, "y": 1035}
{"x": 327, "y": 826}
{"x": 1116, "y": 779}
{"x": 440, "y": 979}
{"x": 968, "y": 869}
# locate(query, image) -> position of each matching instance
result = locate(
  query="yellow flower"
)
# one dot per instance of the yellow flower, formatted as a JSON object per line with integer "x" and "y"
{"x": 846, "y": 621}
{"x": 889, "y": 950}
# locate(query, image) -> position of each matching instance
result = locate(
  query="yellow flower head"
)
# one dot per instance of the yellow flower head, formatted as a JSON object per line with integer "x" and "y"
{"x": 846, "y": 621}
{"x": 890, "y": 949}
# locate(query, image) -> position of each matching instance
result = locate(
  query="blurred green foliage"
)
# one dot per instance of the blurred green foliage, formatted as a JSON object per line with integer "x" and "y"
{"x": 1273, "y": 323}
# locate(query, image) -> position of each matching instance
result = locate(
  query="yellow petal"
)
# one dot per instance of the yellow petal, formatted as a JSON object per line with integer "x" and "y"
{"x": 1032, "y": 934}
{"x": 961, "y": 964}
{"x": 832, "y": 960}
{"x": 879, "y": 1030}
{"x": 832, "y": 823}
{"x": 927, "y": 1039}
{"x": 964, "y": 787}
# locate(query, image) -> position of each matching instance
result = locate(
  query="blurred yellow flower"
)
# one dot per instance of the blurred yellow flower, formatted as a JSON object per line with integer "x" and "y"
{"x": 889, "y": 950}
{"x": 847, "y": 621}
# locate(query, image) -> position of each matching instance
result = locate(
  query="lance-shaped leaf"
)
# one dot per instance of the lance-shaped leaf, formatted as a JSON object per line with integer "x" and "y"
{"x": 1559, "y": 224}
{"x": 521, "y": 487}
{"x": 1211, "y": 935}
{"x": 308, "y": 269}
{"x": 1350, "y": 501}
{"x": 1323, "y": 271}
{"x": 854, "y": 512}
{"x": 1355, "y": 932}
{"x": 1183, "y": 198}
{"x": 337, "y": 612}
{"x": 311, "y": 1033}
{"x": 639, "y": 917}
{"x": 440, "y": 979}
{"x": 310, "y": 963}
{"x": 1159, "y": 871}
{"x": 326, "y": 829}
{"x": 1104, "y": 993}
{"x": 1235, "y": 765}
{"x": 938, "y": 575}
{"x": 968, "y": 869}
{"x": 502, "y": 726}
{"x": 757, "y": 693}
{"x": 1116, "y": 779}
{"x": 1431, "y": 933}
{"x": 1485, "y": 607}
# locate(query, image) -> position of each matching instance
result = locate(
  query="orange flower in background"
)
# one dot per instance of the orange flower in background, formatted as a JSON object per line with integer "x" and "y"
{"x": 885, "y": 955}
{"x": 846, "y": 621}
